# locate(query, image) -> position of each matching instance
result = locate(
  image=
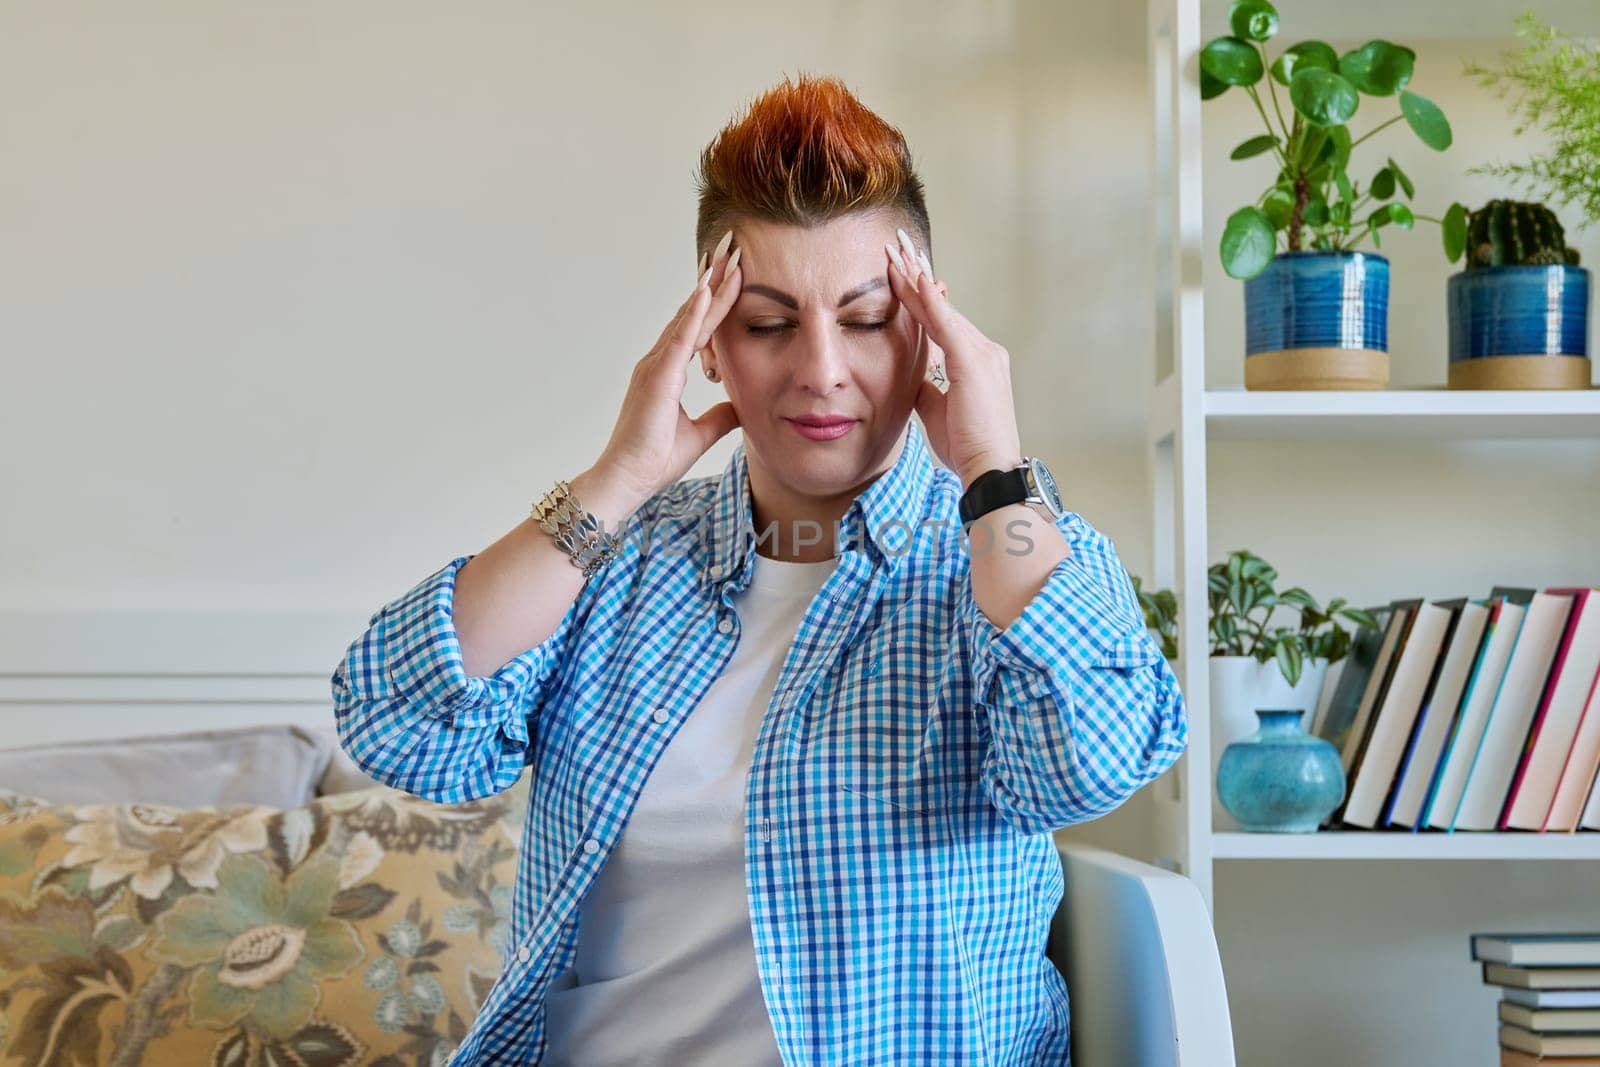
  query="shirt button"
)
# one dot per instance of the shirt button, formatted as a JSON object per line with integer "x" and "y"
{"x": 660, "y": 715}
{"x": 591, "y": 846}
{"x": 725, "y": 626}
{"x": 524, "y": 954}
{"x": 716, "y": 570}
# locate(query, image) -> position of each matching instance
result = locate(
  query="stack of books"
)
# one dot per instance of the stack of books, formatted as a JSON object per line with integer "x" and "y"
{"x": 1550, "y": 1004}
{"x": 1471, "y": 714}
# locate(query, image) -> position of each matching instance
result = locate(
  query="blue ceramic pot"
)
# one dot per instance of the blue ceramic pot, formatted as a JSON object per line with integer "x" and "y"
{"x": 1318, "y": 300}
{"x": 1523, "y": 311}
{"x": 1280, "y": 779}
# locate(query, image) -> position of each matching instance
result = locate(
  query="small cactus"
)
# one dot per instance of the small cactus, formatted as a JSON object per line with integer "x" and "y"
{"x": 1504, "y": 233}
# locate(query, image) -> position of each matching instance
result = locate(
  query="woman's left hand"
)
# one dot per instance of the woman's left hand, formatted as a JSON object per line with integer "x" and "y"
{"x": 972, "y": 427}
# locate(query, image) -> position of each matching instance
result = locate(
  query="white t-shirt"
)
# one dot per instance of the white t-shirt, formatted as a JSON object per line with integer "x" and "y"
{"x": 665, "y": 971}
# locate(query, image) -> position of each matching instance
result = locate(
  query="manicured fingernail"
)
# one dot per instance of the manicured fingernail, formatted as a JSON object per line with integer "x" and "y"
{"x": 722, "y": 246}
{"x": 905, "y": 243}
{"x": 894, "y": 257}
{"x": 702, "y": 266}
{"x": 703, "y": 279}
{"x": 922, "y": 257}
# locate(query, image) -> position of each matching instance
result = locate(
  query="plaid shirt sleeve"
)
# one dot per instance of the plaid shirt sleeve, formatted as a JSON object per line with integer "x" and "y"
{"x": 408, "y": 714}
{"x": 1082, "y": 708}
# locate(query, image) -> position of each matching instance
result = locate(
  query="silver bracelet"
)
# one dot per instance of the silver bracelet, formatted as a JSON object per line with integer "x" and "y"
{"x": 577, "y": 531}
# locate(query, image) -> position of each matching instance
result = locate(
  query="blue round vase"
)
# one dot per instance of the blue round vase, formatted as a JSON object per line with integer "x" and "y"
{"x": 1318, "y": 300}
{"x": 1318, "y": 320}
{"x": 1280, "y": 779}
{"x": 1524, "y": 326}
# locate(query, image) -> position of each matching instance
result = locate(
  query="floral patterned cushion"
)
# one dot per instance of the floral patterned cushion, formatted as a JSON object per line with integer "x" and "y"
{"x": 365, "y": 927}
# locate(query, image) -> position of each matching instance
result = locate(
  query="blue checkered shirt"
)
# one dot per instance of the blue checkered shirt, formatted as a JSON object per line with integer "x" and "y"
{"x": 906, "y": 778}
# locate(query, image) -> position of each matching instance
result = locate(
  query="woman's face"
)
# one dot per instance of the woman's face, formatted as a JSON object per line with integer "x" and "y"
{"x": 817, "y": 331}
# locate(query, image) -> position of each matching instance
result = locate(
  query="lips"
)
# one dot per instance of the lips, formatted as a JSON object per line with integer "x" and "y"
{"x": 822, "y": 427}
{"x": 820, "y": 420}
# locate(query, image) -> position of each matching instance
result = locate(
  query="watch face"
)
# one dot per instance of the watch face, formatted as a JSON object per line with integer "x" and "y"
{"x": 1047, "y": 486}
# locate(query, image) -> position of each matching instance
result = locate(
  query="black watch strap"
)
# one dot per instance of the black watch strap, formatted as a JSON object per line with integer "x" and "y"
{"x": 991, "y": 490}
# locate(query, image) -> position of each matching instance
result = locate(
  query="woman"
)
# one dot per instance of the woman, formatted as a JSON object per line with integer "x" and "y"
{"x": 798, "y": 738}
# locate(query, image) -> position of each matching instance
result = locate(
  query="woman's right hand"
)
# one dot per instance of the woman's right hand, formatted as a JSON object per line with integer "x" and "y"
{"x": 655, "y": 442}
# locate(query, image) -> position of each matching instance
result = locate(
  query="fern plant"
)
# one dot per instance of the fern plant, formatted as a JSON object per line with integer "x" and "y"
{"x": 1553, "y": 83}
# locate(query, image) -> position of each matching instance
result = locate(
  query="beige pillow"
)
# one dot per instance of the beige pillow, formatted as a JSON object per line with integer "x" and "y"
{"x": 362, "y": 925}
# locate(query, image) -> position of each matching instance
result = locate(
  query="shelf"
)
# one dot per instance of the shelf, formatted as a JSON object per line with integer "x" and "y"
{"x": 1389, "y": 845}
{"x": 1409, "y": 23}
{"x": 1431, "y": 414}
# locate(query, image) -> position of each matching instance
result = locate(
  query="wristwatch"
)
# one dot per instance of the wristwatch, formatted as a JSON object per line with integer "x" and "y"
{"x": 1029, "y": 482}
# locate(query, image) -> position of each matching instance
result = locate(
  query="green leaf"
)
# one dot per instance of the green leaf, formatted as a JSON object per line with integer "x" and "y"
{"x": 1378, "y": 68}
{"x": 1394, "y": 212}
{"x": 1278, "y": 207}
{"x": 1347, "y": 193}
{"x": 1426, "y": 120}
{"x": 1324, "y": 98}
{"x": 1230, "y": 60}
{"x": 1383, "y": 184}
{"x": 1312, "y": 146}
{"x": 1254, "y": 146}
{"x": 1405, "y": 182}
{"x": 1254, "y": 20}
{"x": 1360, "y": 617}
{"x": 1248, "y": 243}
{"x": 1289, "y": 660}
{"x": 1305, "y": 54}
{"x": 1316, "y": 212}
{"x": 1455, "y": 232}
{"x": 1339, "y": 137}
{"x": 1211, "y": 88}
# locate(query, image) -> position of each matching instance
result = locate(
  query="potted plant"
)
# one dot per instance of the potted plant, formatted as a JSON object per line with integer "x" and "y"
{"x": 1523, "y": 293}
{"x": 1519, "y": 311}
{"x": 1253, "y": 665}
{"x": 1316, "y": 311}
{"x": 1160, "y": 616}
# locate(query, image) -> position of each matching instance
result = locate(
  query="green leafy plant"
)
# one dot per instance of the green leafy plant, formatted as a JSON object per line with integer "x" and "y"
{"x": 1242, "y": 601}
{"x": 1553, "y": 82}
{"x": 1160, "y": 616}
{"x": 1314, "y": 204}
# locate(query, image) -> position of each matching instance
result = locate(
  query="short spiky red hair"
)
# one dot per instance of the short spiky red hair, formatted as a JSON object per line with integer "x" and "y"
{"x": 807, "y": 152}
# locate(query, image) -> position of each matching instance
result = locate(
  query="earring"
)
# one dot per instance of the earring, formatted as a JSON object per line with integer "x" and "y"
{"x": 937, "y": 377}
{"x": 711, "y": 375}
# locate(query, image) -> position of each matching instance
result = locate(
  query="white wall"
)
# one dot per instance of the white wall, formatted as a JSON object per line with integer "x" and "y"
{"x": 296, "y": 304}
{"x": 307, "y": 300}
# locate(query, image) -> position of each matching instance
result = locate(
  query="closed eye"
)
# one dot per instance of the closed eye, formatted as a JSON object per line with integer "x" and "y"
{"x": 760, "y": 330}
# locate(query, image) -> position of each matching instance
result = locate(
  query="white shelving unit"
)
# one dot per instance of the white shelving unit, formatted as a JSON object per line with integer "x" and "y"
{"x": 1185, "y": 415}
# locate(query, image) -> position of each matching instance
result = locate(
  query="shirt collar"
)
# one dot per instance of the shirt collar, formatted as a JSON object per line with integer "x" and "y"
{"x": 886, "y": 512}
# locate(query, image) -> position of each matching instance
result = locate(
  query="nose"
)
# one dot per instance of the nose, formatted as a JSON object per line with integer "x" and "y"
{"x": 820, "y": 363}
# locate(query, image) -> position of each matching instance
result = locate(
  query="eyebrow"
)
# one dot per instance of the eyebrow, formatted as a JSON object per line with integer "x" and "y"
{"x": 790, "y": 302}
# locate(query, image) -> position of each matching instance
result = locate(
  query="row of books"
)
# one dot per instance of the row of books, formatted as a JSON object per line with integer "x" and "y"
{"x": 1471, "y": 714}
{"x": 1550, "y": 996}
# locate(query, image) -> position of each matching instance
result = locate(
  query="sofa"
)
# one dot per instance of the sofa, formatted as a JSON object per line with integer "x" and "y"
{"x": 243, "y": 896}
{"x": 250, "y": 897}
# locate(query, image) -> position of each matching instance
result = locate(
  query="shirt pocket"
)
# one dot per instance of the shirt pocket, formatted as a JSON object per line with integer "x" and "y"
{"x": 871, "y": 728}
{"x": 1129, "y": 651}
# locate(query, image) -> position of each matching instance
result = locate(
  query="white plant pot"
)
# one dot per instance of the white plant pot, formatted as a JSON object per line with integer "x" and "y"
{"x": 1239, "y": 686}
